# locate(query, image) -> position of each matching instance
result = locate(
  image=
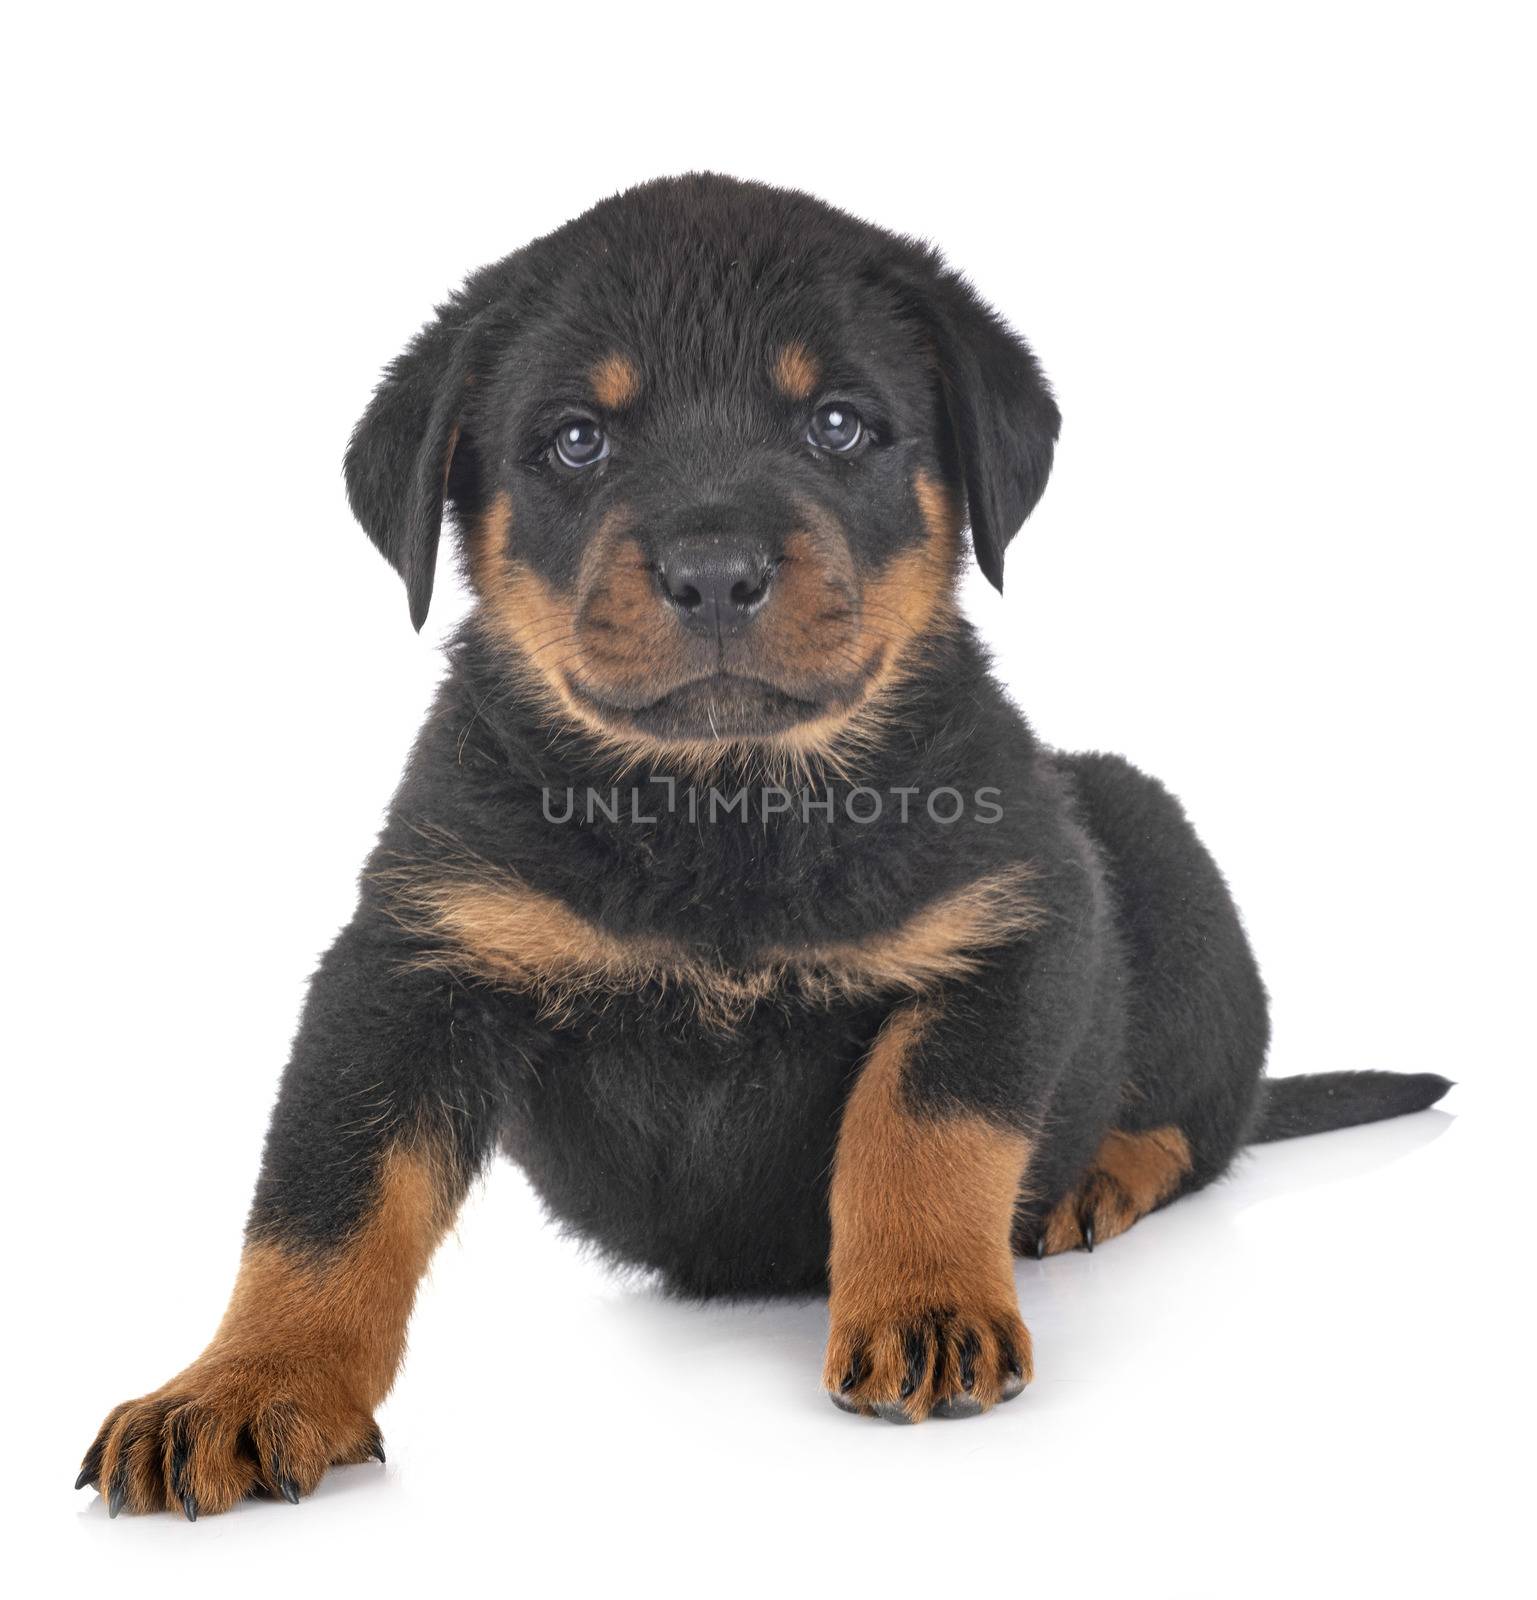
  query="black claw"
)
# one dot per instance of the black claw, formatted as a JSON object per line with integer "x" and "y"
{"x": 941, "y": 1354}
{"x": 189, "y": 1505}
{"x": 118, "y": 1495}
{"x": 850, "y": 1379}
{"x": 289, "y": 1490}
{"x": 376, "y": 1447}
{"x": 1040, "y": 1247}
{"x": 1088, "y": 1234}
{"x": 970, "y": 1349}
{"x": 916, "y": 1349}
{"x": 90, "y": 1466}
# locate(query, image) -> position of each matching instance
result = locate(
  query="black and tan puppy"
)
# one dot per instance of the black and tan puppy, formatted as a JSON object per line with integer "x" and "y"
{"x": 725, "y": 890}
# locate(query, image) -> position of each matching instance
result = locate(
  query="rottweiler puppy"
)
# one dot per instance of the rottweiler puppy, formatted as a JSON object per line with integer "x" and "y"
{"x": 725, "y": 890}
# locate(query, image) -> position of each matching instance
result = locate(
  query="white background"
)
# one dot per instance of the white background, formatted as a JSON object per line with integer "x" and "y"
{"x": 1275, "y": 260}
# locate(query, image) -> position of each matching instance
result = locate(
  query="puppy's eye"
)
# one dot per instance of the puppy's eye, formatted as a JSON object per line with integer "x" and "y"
{"x": 835, "y": 428}
{"x": 580, "y": 443}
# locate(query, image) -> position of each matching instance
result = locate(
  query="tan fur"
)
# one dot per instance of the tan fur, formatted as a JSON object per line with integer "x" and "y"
{"x": 617, "y": 620}
{"x": 918, "y": 589}
{"x": 796, "y": 371}
{"x": 921, "y": 1207}
{"x": 610, "y": 629}
{"x": 525, "y": 615}
{"x": 1131, "y": 1174}
{"x": 910, "y": 600}
{"x": 356, "y": 1304}
{"x": 308, "y": 1347}
{"x": 615, "y": 381}
{"x": 492, "y": 925}
{"x": 815, "y": 604}
{"x": 538, "y": 628}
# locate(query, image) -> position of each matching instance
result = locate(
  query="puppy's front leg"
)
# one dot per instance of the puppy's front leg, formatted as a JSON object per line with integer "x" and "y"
{"x": 924, "y": 1315}
{"x": 376, "y": 1134}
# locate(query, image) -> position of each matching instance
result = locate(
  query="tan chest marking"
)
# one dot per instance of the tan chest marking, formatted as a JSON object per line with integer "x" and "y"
{"x": 494, "y": 926}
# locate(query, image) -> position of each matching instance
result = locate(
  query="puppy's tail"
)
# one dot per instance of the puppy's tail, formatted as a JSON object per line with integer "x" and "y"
{"x": 1322, "y": 1101}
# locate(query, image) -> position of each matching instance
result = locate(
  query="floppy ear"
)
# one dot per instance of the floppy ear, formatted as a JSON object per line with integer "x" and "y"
{"x": 1002, "y": 417}
{"x": 401, "y": 451}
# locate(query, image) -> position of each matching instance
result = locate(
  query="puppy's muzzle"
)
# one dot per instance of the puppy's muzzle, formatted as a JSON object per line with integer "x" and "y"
{"x": 715, "y": 586}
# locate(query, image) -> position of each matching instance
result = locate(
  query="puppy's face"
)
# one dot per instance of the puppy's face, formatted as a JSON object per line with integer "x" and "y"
{"x": 710, "y": 448}
{"x": 712, "y": 521}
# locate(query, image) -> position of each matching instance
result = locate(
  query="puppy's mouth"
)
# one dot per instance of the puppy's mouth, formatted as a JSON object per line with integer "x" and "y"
{"x": 721, "y": 705}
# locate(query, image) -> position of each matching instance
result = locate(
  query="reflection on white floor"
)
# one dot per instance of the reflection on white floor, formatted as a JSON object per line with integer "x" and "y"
{"x": 1258, "y": 1380}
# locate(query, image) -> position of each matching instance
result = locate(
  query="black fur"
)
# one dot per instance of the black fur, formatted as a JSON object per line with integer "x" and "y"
{"x": 698, "y": 1150}
{"x": 1002, "y": 417}
{"x": 700, "y": 1153}
{"x": 1320, "y": 1102}
{"x": 399, "y": 455}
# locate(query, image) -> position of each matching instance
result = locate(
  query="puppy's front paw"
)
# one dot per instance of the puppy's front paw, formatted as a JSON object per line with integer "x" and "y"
{"x": 226, "y": 1428}
{"x": 905, "y": 1363}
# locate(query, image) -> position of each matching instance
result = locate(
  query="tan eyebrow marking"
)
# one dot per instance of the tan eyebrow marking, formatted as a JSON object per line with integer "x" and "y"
{"x": 615, "y": 381}
{"x": 796, "y": 371}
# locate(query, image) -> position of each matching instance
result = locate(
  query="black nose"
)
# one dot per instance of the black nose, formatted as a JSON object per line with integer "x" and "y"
{"x": 715, "y": 587}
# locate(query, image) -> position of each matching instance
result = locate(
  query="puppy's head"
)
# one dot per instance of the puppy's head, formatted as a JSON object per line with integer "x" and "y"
{"x": 710, "y": 449}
